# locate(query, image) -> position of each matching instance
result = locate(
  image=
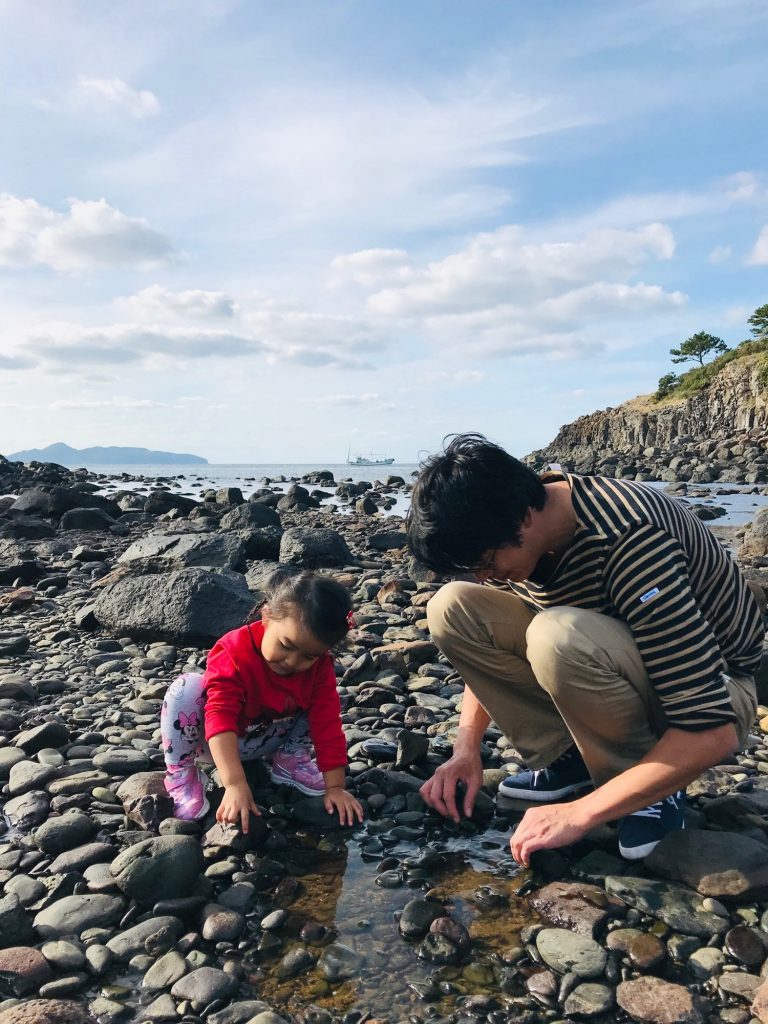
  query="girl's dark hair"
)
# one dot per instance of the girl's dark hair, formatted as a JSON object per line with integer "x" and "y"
{"x": 321, "y": 604}
{"x": 468, "y": 500}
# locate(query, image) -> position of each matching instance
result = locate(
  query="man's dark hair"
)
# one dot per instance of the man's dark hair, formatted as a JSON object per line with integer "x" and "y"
{"x": 468, "y": 500}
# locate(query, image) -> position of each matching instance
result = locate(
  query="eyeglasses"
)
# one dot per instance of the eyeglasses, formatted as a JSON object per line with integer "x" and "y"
{"x": 485, "y": 566}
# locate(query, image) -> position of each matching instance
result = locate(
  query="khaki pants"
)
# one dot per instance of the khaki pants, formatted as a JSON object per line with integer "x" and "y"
{"x": 554, "y": 677}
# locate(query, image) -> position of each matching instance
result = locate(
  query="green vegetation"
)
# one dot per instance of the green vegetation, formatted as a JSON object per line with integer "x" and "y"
{"x": 701, "y": 344}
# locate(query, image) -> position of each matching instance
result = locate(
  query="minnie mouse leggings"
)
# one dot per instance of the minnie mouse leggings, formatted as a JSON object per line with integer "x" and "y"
{"x": 181, "y": 725}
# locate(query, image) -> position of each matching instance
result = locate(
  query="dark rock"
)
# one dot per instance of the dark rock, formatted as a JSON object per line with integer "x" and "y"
{"x": 719, "y": 864}
{"x": 162, "y": 868}
{"x": 579, "y": 907}
{"x": 314, "y": 549}
{"x": 658, "y": 1002}
{"x": 187, "y": 607}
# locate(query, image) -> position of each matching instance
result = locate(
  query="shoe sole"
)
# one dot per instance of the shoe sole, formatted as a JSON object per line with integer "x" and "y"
{"x": 639, "y": 852}
{"x": 540, "y": 796}
{"x": 195, "y": 817}
{"x": 282, "y": 780}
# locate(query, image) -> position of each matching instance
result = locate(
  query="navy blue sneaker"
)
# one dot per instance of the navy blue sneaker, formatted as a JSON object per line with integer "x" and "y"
{"x": 568, "y": 774}
{"x": 640, "y": 833}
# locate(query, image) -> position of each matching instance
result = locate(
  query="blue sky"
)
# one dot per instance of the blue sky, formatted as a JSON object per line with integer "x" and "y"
{"x": 265, "y": 232}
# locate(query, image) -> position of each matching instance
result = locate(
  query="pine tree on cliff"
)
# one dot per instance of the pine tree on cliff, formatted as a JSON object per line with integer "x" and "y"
{"x": 759, "y": 322}
{"x": 697, "y": 346}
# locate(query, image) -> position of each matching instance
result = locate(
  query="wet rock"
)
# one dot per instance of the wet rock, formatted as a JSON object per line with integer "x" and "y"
{"x": 203, "y": 986}
{"x": 645, "y": 951}
{"x": 22, "y": 970}
{"x": 658, "y": 1002}
{"x": 742, "y": 986}
{"x": 567, "y": 951}
{"x": 46, "y": 1011}
{"x": 452, "y": 930}
{"x": 243, "y": 1011}
{"x": 589, "y": 1000}
{"x": 675, "y": 905}
{"x": 745, "y": 945}
{"x": 72, "y": 915}
{"x": 543, "y": 986}
{"x": 579, "y": 907}
{"x": 186, "y": 607}
{"x": 438, "y": 949}
{"x": 719, "y": 864}
{"x": 295, "y": 962}
{"x": 338, "y": 962}
{"x": 417, "y": 917}
{"x": 706, "y": 962}
{"x": 411, "y": 747}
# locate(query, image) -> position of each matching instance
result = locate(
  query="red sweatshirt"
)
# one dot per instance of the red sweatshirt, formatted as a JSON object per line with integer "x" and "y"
{"x": 241, "y": 689}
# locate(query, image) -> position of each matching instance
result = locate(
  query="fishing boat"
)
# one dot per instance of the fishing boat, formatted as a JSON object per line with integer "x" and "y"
{"x": 368, "y": 460}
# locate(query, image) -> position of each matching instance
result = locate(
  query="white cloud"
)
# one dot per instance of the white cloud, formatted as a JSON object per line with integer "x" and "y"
{"x": 304, "y": 329}
{"x": 117, "y": 402}
{"x": 371, "y": 399}
{"x": 195, "y": 303}
{"x": 719, "y": 254}
{"x": 759, "y": 255}
{"x": 15, "y": 362}
{"x": 505, "y": 264}
{"x": 65, "y": 344}
{"x": 115, "y": 94}
{"x": 91, "y": 234}
{"x": 371, "y": 268}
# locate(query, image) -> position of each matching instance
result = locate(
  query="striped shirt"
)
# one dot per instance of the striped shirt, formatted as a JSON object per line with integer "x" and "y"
{"x": 646, "y": 559}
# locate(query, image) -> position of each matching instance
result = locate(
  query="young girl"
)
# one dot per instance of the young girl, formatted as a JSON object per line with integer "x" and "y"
{"x": 269, "y": 689}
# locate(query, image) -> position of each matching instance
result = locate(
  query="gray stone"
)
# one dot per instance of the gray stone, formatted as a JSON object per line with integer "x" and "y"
{"x": 577, "y": 906}
{"x": 128, "y": 943}
{"x": 203, "y": 986}
{"x": 589, "y": 1000}
{"x": 338, "y": 962}
{"x": 73, "y": 915}
{"x": 674, "y": 904}
{"x": 49, "y": 734}
{"x": 166, "y": 971}
{"x": 314, "y": 549}
{"x": 9, "y": 757}
{"x": 417, "y": 917}
{"x": 170, "y": 552}
{"x": 28, "y": 775}
{"x": 121, "y": 761}
{"x": 64, "y": 832}
{"x": 162, "y": 868}
{"x": 27, "y": 811}
{"x": 567, "y": 951}
{"x": 192, "y": 606}
{"x": 723, "y": 865}
{"x": 250, "y": 515}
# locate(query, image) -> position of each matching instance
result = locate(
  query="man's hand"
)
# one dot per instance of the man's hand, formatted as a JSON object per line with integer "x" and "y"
{"x": 440, "y": 791}
{"x": 546, "y": 828}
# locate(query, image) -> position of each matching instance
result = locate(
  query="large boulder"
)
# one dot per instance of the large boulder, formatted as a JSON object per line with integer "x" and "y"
{"x": 159, "y": 502}
{"x": 314, "y": 549}
{"x": 724, "y": 865}
{"x": 191, "y": 606}
{"x": 86, "y": 519}
{"x": 250, "y": 515}
{"x": 54, "y": 502}
{"x": 156, "y": 869}
{"x": 167, "y": 551}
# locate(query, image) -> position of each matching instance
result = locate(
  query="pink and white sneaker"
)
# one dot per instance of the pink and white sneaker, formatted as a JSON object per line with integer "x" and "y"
{"x": 296, "y": 768}
{"x": 186, "y": 786}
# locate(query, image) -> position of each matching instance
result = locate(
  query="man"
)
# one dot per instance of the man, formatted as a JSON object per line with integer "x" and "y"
{"x": 615, "y": 642}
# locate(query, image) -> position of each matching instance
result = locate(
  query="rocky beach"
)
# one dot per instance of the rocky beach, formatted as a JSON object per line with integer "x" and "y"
{"x": 111, "y": 910}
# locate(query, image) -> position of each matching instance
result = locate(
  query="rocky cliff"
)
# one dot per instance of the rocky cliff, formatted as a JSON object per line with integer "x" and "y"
{"x": 718, "y": 434}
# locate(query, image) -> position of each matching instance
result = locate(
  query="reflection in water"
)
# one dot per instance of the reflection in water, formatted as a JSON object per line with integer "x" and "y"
{"x": 475, "y": 878}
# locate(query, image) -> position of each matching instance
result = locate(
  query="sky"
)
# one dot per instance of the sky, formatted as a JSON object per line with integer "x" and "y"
{"x": 269, "y": 232}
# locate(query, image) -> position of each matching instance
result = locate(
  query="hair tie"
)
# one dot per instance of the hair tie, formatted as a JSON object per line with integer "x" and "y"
{"x": 350, "y": 620}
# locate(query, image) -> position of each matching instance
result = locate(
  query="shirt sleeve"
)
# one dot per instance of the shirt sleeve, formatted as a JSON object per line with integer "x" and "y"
{"x": 324, "y": 716}
{"x": 648, "y": 584}
{"x": 224, "y": 693}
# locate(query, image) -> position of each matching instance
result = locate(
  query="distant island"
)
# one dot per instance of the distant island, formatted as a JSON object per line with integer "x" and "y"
{"x": 114, "y": 456}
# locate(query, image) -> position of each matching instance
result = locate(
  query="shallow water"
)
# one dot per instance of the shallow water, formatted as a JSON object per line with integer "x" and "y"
{"x": 344, "y": 896}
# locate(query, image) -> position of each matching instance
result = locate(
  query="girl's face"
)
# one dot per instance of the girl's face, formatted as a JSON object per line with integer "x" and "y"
{"x": 286, "y": 646}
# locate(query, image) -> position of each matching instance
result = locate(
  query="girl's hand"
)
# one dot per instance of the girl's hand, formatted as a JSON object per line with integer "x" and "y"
{"x": 238, "y": 801}
{"x": 337, "y": 798}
